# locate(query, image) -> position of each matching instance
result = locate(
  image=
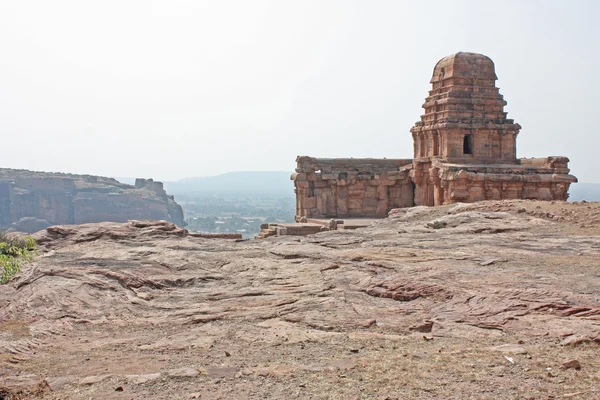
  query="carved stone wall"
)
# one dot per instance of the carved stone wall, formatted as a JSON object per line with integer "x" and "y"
{"x": 465, "y": 146}
{"x": 465, "y": 109}
{"x": 348, "y": 187}
{"x": 541, "y": 179}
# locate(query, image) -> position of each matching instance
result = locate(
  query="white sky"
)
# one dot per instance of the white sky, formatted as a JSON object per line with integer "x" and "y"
{"x": 172, "y": 89}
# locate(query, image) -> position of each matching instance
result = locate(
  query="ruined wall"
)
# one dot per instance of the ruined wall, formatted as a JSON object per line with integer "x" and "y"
{"x": 150, "y": 184}
{"x": 173, "y": 210}
{"x": 348, "y": 187}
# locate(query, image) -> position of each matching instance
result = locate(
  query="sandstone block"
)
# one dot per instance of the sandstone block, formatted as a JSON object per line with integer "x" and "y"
{"x": 355, "y": 203}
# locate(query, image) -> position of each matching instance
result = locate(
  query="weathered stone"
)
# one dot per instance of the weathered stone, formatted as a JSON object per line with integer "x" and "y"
{"x": 464, "y": 138}
{"x": 60, "y": 382}
{"x": 509, "y": 348}
{"x": 143, "y": 378}
{"x": 155, "y": 301}
{"x": 353, "y": 185}
{"x": 464, "y": 151}
{"x": 424, "y": 327}
{"x": 572, "y": 364}
{"x": 91, "y": 380}
{"x": 575, "y": 340}
{"x": 183, "y": 372}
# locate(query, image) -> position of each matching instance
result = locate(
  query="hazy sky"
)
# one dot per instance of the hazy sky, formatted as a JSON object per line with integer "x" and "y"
{"x": 172, "y": 89}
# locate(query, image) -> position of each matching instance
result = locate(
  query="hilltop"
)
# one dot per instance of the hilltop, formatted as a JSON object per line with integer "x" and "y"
{"x": 33, "y": 200}
{"x": 487, "y": 300}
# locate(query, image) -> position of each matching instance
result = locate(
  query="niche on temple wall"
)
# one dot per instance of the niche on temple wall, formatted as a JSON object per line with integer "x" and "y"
{"x": 468, "y": 144}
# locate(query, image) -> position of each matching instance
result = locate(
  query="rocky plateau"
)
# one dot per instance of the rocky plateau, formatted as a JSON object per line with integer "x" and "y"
{"x": 489, "y": 300}
{"x": 31, "y": 201}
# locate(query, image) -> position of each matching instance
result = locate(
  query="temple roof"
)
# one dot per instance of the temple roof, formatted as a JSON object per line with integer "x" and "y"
{"x": 464, "y": 65}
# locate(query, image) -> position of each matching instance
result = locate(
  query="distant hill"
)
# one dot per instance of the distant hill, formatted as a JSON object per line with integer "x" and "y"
{"x": 239, "y": 183}
{"x": 584, "y": 191}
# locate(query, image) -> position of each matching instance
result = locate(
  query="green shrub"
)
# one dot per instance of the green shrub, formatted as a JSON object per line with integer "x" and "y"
{"x": 13, "y": 253}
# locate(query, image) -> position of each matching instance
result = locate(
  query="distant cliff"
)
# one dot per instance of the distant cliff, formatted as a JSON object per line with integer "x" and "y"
{"x": 29, "y": 200}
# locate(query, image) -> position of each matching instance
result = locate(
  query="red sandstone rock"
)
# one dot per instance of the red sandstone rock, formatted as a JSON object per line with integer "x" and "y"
{"x": 157, "y": 310}
{"x": 573, "y": 364}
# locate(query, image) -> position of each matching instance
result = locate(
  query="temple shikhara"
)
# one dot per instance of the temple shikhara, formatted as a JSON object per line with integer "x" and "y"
{"x": 465, "y": 150}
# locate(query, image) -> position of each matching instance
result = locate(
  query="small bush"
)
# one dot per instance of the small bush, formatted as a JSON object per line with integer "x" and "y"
{"x": 13, "y": 253}
{"x": 437, "y": 225}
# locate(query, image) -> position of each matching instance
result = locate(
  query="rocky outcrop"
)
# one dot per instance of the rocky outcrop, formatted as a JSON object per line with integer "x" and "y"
{"x": 29, "y": 199}
{"x": 485, "y": 300}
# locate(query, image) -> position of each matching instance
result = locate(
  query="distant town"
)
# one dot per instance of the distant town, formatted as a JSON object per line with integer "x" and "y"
{"x": 235, "y": 214}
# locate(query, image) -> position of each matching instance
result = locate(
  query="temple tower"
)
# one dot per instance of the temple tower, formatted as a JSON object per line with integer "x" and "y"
{"x": 464, "y": 118}
{"x": 465, "y": 150}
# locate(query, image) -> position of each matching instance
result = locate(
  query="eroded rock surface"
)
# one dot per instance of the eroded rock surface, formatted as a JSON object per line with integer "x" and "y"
{"x": 488, "y": 305}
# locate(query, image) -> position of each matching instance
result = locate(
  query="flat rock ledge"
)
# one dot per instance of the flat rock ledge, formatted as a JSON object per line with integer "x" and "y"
{"x": 487, "y": 300}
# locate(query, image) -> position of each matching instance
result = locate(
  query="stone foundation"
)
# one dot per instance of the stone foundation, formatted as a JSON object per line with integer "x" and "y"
{"x": 536, "y": 179}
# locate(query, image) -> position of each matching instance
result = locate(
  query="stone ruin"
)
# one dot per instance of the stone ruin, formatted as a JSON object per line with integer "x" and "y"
{"x": 464, "y": 151}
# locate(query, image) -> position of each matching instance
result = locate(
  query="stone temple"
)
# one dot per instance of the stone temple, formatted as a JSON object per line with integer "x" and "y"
{"x": 465, "y": 150}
